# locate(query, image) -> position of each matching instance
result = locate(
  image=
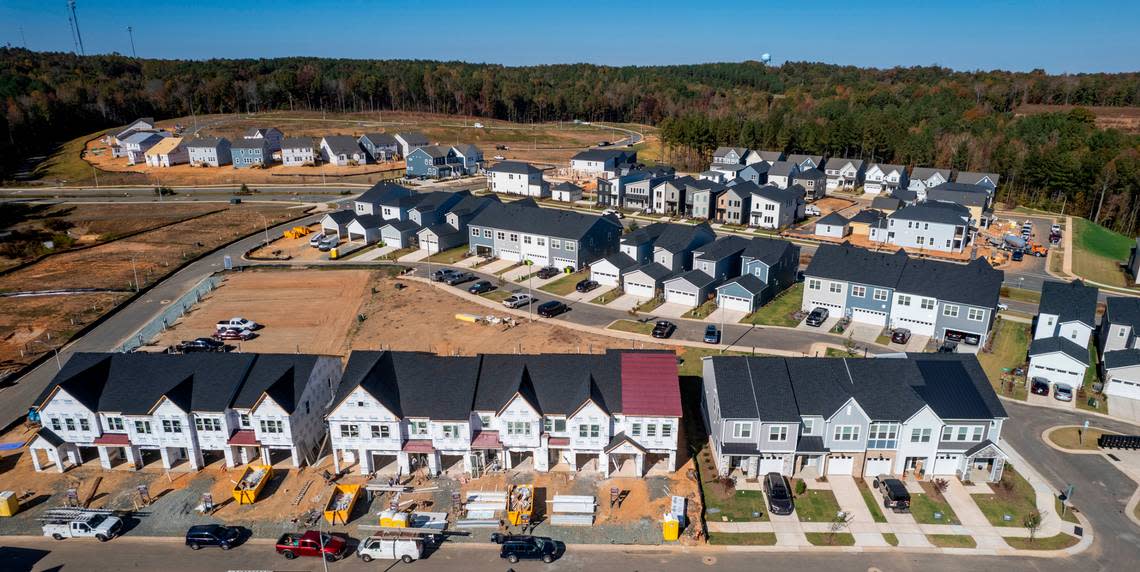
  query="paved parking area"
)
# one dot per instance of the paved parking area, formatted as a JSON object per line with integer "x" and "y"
{"x": 917, "y": 343}
{"x": 906, "y": 528}
{"x": 723, "y": 316}
{"x": 671, "y": 310}
{"x": 860, "y": 522}
{"x": 416, "y": 256}
{"x": 519, "y": 272}
{"x": 375, "y": 253}
{"x": 468, "y": 262}
{"x": 625, "y": 302}
{"x": 826, "y": 327}
{"x": 496, "y": 266}
{"x": 863, "y": 332}
{"x": 1050, "y": 401}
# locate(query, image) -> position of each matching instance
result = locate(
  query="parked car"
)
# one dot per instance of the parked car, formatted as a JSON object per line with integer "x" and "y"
{"x": 811, "y": 210}
{"x": 481, "y": 287}
{"x": 663, "y": 329}
{"x": 235, "y": 334}
{"x": 237, "y": 322}
{"x": 1055, "y": 238}
{"x": 948, "y": 347}
{"x": 614, "y": 212}
{"x": 552, "y": 308}
{"x": 900, "y": 336}
{"x": 1055, "y": 228}
{"x": 199, "y": 345}
{"x": 972, "y": 339}
{"x": 224, "y": 537}
{"x": 779, "y": 494}
{"x": 1002, "y": 306}
{"x": 895, "y": 495}
{"x": 515, "y": 548}
{"x": 585, "y": 285}
{"x": 712, "y": 334}
{"x": 327, "y": 244}
{"x": 953, "y": 336}
{"x": 407, "y": 550}
{"x": 518, "y": 300}
{"x": 311, "y": 543}
{"x": 499, "y": 158}
{"x": 1017, "y": 256}
{"x": 443, "y": 274}
{"x": 547, "y": 272}
{"x": 1039, "y": 386}
{"x": 603, "y": 143}
{"x": 817, "y": 317}
{"x": 1062, "y": 392}
{"x": 316, "y": 239}
{"x": 459, "y": 278}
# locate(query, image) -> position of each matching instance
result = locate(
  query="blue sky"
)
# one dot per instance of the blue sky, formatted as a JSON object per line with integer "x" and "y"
{"x": 1092, "y": 35}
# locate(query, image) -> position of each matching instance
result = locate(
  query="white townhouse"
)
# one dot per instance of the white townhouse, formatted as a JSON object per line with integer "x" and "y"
{"x": 606, "y": 163}
{"x": 926, "y": 416}
{"x": 298, "y": 152}
{"x": 883, "y": 179}
{"x": 923, "y": 179}
{"x": 932, "y": 225}
{"x": 781, "y": 173}
{"x": 194, "y": 408}
{"x": 774, "y": 207}
{"x": 1120, "y": 355}
{"x": 844, "y": 174}
{"x": 615, "y": 413}
{"x": 517, "y": 178}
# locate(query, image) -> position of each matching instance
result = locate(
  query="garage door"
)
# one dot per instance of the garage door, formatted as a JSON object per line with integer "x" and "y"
{"x": 869, "y": 317}
{"x": 771, "y": 464}
{"x": 431, "y": 243}
{"x": 512, "y": 255}
{"x": 604, "y": 278}
{"x": 561, "y": 263}
{"x": 538, "y": 259}
{"x": 828, "y": 305}
{"x": 840, "y": 465}
{"x": 681, "y": 297}
{"x": 915, "y": 326}
{"x": 946, "y": 464}
{"x": 639, "y": 290}
{"x": 735, "y": 303}
{"x": 877, "y": 466}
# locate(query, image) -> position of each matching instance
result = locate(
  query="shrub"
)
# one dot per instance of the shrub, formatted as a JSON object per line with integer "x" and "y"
{"x": 801, "y": 488}
{"x": 940, "y": 485}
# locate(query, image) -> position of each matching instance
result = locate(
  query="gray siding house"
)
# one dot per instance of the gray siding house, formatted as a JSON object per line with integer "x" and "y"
{"x": 932, "y": 225}
{"x": 767, "y": 267}
{"x": 548, "y": 237}
{"x": 379, "y": 146}
{"x": 209, "y": 151}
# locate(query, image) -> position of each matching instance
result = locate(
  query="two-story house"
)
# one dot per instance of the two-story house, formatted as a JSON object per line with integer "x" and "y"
{"x": 977, "y": 199}
{"x": 923, "y": 178}
{"x": 989, "y": 180}
{"x": 136, "y": 145}
{"x": 729, "y": 156}
{"x": 298, "y": 152}
{"x": 669, "y": 195}
{"x": 672, "y": 254}
{"x": 379, "y": 146}
{"x": 702, "y": 197}
{"x": 209, "y": 151}
{"x": 806, "y": 162}
{"x": 452, "y": 231}
{"x": 634, "y": 249}
{"x": 115, "y": 139}
{"x": 757, "y": 156}
{"x": 768, "y": 266}
{"x": 604, "y": 163}
{"x": 1120, "y": 326}
{"x": 167, "y": 152}
{"x": 517, "y": 178}
{"x": 246, "y": 153}
{"x": 547, "y": 237}
{"x": 774, "y": 207}
{"x": 421, "y": 210}
{"x": 832, "y": 225}
{"x": 734, "y": 204}
{"x": 932, "y": 225}
{"x": 713, "y": 263}
{"x": 813, "y": 181}
{"x": 342, "y": 151}
{"x": 272, "y": 136}
{"x": 844, "y": 174}
{"x": 381, "y": 202}
{"x": 926, "y": 416}
{"x": 883, "y": 179}
{"x": 781, "y": 173}
{"x": 468, "y": 159}
{"x": 756, "y": 173}
{"x": 1066, "y": 318}
{"x": 636, "y": 192}
{"x": 407, "y": 142}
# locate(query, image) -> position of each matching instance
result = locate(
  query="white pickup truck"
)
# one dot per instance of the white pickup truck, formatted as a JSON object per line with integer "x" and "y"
{"x": 237, "y": 324}
{"x": 82, "y": 524}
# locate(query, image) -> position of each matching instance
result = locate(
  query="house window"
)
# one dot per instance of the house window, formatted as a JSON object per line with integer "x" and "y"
{"x": 84, "y": 425}
{"x": 950, "y": 310}
{"x": 666, "y": 430}
{"x": 518, "y": 428}
{"x": 570, "y": 246}
{"x": 55, "y": 424}
{"x": 835, "y": 287}
{"x": 778, "y": 433}
{"x": 1121, "y": 332}
{"x": 650, "y": 430}
{"x": 272, "y": 426}
{"x": 451, "y": 431}
{"x": 485, "y": 420}
{"x": 927, "y": 304}
{"x": 244, "y": 420}
{"x": 976, "y": 434}
{"x": 526, "y": 239}
{"x": 418, "y": 428}
{"x": 920, "y": 435}
{"x": 486, "y": 234}
{"x": 500, "y": 235}
{"x": 880, "y": 295}
{"x": 814, "y": 284}
{"x": 207, "y": 424}
{"x": 882, "y": 436}
{"x": 540, "y": 241}
{"x": 475, "y": 232}
{"x": 114, "y": 423}
{"x": 381, "y": 432}
{"x": 904, "y": 300}
{"x": 349, "y": 431}
{"x": 846, "y": 433}
{"x": 635, "y": 430}
{"x": 976, "y": 314}
{"x": 70, "y": 423}
{"x": 514, "y": 237}
{"x": 741, "y": 430}
{"x": 554, "y": 425}
{"x": 808, "y": 426}
{"x": 142, "y": 427}
{"x": 858, "y": 291}
{"x": 555, "y": 243}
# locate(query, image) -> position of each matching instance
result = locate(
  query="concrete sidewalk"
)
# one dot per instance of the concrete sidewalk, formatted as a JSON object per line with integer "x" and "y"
{"x": 860, "y": 522}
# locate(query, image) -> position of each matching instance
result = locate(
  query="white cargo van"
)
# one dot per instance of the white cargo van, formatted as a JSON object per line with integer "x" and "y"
{"x": 387, "y": 548}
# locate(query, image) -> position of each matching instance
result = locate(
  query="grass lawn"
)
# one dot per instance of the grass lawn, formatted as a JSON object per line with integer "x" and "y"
{"x": 1067, "y": 438}
{"x": 883, "y": 340}
{"x": 891, "y": 538}
{"x": 650, "y": 305}
{"x": 566, "y": 284}
{"x": 496, "y": 295}
{"x": 1021, "y": 294}
{"x": 872, "y": 504}
{"x": 1097, "y": 252}
{"x": 1010, "y": 343}
{"x": 1068, "y": 516}
{"x": 952, "y": 540}
{"x": 778, "y": 312}
{"x": 743, "y": 506}
{"x": 1058, "y": 542}
{"x": 816, "y": 506}
{"x": 1013, "y": 495}
{"x": 923, "y": 507}
{"x": 692, "y": 363}
{"x": 607, "y": 297}
{"x": 830, "y": 539}
{"x": 743, "y": 538}
{"x": 450, "y": 256}
{"x": 632, "y": 326}
{"x": 832, "y": 352}
{"x": 702, "y": 311}
{"x": 1092, "y": 375}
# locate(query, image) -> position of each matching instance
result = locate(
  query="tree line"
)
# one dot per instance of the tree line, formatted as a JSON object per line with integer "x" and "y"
{"x": 926, "y": 116}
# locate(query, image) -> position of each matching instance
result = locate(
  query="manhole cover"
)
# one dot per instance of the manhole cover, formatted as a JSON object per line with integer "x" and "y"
{"x": 709, "y": 560}
{"x": 164, "y": 302}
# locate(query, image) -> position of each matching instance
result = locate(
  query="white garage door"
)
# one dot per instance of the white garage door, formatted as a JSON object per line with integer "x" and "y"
{"x": 869, "y": 317}
{"x": 639, "y": 290}
{"x": 771, "y": 464}
{"x": 538, "y": 259}
{"x": 918, "y": 327}
{"x": 828, "y": 305}
{"x": 735, "y": 303}
{"x": 431, "y": 243}
{"x": 946, "y": 464}
{"x": 604, "y": 278}
{"x": 877, "y": 466}
{"x": 840, "y": 465}
{"x": 512, "y": 255}
{"x": 681, "y": 297}
{"x": 561, "y": 263}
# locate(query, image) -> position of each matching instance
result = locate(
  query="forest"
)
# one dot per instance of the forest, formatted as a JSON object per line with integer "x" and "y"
{"x": 924, "y": 116}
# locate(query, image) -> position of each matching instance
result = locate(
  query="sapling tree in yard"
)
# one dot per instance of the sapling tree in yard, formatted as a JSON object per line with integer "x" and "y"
{"x": 1032, "y": 523}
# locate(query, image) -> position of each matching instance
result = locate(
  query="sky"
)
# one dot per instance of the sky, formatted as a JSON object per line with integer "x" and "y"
{"x": 1059, "y": 37}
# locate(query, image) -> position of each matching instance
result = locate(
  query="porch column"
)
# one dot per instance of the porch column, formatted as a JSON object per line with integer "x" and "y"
{"x": 604, "y": 464}
{"x": 228, "y": 452}
{"x": 672, "y": 460}
{"x": 58, "y": 458}
{"x": 433, "y": 463}
{"x": 402, "y": 461}
{"x": 542, "y": 459}
{"x": 468, "y": 462}
{"x": 36, "y": 459}
{"x": 133, "y": 456}
{"x": 243, "y": 454}
{"x": 164, "y": 452}
{"x": 197, "y": 461}
{"x": 639, "y": 464}
{"x": 295, "y": 455}
{"x": 265, "y": 455}
{"x": 104, "y": 458}
{"x": 365, "y": 460}
{"x": 571, "y": 458}
{"x": 507, "y": 459}
{"x": 336, "y": 460}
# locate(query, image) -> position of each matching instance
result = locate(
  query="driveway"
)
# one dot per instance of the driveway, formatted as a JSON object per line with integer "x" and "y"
{"x": 1049, "y": 401}
{"x": 826, "y": 327}
{"x": 907, "y": 530}
{"x": 917, "y": 343}
{"x": 971, "y": 516}
{"x": 724, "y": 316}
{"x": 625, "y": 302}
{"x": 864, "y": 332}
{"x": 416, "y": 256}
{"x": 587, "y": 296}
{"x": 861, "y": 524}
{"x": 513, "y": 275}
{"x": 468, "y": 262}
{"x": 375, "y": 253}
{"x": 671, "y": 310}
{"x": 493, "y": 267}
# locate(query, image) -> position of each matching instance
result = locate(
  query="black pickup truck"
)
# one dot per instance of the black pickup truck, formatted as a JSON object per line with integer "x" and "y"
{"x": 895, "y": 495}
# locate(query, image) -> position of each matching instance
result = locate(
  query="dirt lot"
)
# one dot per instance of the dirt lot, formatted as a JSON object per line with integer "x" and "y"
{"x": 295, "y": 249}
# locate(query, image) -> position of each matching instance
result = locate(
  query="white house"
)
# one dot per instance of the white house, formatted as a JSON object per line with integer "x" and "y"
{"x": 844, "y": 174}
{"x": 566, "y": 192}
{"x": 833, "y": 225}
{"x": 169, "y": 151}
{"x": 517, "y": 178}
{"x": 601, "y": 162}
{"x": 883, "y": 178}
{"x": 298, "y": 152}
{"x": 1122, "y": 383}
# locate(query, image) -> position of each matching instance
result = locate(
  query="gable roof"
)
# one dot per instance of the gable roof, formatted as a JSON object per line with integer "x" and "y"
{"x": 603, "y": 155}
{"x": 722, "y": 151}
{"x": 567, "y": 187}
{"x": 976, "y": 283}
{"x": 905, "y": 195}
{"x": 413, "y": 138}
{"x": 869, "y": 216}
{"x": 749, "y": 282}
{"x": 886, "y": 203}
{"x": 676, "y": 237}
{"x": 205, "y": 142}
{"x": 833, "y": 219}
{"x": 970, "y": 195}
{"x": 621, "y": 261}
{"x": 167, "y": 145}
{"x": 261, "y": 144}
{"x": 282, "y": 377}
{"x": 975, "y": 177}
{"x": 767, "y": 250}
{"x": 1123, "y": 310}
{"x": 644, "y": 234}
{"x": 1122, "y": 358}
{"x": 927, "y": 172}
{"x": 297, "y": 143}
{"x": 1056, "y": 344}
{"x": 342, "y": 217}
{"x": 649, "y": 383}
{"x": 886, "y": 168}
{"x": 853, "y": 264}
{"x": 812, "y": 173}
{"x": 379, "y": 139}
{"x": 774, "y": 193}
{"x": 799, "y": 158}
{"x": 526, "y": 217}
{"x": 722, "y": 247}
{"x": 941, "y": 212}
{"x": 143, "y": 137}
{"x": 414, "y": 384}
{"x": 654, "y": 270}
{"x": 695, "y": 277}
{"x": 838, "y": 163}
{"x": 467, "y": 150}
{"x": 517, "y": 167}
{"x": 341, "y": 144}
{"x": 782, "y": 168}
{"x": 384, "y": 193}
{"x": 1069, "y": 301}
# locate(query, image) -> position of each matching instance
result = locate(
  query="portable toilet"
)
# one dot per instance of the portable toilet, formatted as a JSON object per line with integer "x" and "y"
{"x": 393, "y": 519}
{"x": 670, "y": 528}
{"x": 333, "y": 254}
{"x": 9, "y": 504}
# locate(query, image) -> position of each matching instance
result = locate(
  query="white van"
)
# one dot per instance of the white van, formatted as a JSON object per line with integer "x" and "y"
{"x": 381, "y": 548}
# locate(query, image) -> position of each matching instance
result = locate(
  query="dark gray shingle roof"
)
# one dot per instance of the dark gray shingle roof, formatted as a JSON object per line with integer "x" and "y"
{"x": 1122, "y": 358}
{"x": 934, "y": 211}
{"x": 1069, "y": 301}
{"x": 516, "y": 167}
{"x": 1054, "y": 344}
{"x": 534, "y": 220}
{"x": 1123, "y": 310}
{"x": 833, "y": 219}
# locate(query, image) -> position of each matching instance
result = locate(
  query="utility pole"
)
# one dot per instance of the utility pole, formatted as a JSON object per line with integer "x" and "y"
{"x": 131, "y": 33}
{"x": 73, "y": 18}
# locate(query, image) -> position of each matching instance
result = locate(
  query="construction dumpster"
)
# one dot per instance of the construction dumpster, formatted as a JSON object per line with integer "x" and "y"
{"x": 9, "y": 503}
{"x": 520, "y": 505}
{"x": 251, "y": 483}
{"x": 341, "y": 501}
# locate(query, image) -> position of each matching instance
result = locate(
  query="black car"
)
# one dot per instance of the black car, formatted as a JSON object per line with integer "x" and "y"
{"x": 515, "y": 548}
{"x": 900, "y": 336}
{"x": 481, "y": 287}
{"x": 779, "y": 495}
{"x": 1039, "y": 386}
{"x": 585, "y": 285}
{"x": 948, "y": 347}
{"x": 551, "y": 308}
{"x": 202, "y": 345}
{"x": 224, "y": 537}
{"x": 548, "y": 272}
{"x": 1017, "y": 256}
{"x": 459, "y": 278}
{"x": 817, "y": 317}
{"x": 895, "y": 495}
{"x": 663, "y": 329}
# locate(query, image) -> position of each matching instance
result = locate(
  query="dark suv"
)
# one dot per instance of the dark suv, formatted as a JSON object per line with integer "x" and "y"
{"x": 779, "y": 495}
{"x": 225, "y": 537}
{"x": 895, "y": 495}
{"x": 548, "y": 272}
{"x": 515, "y": 548}
{"x": 817, "y": 317}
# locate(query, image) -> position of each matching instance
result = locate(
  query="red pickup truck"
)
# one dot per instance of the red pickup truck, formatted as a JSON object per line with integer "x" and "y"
{"x": 308, "y": 543}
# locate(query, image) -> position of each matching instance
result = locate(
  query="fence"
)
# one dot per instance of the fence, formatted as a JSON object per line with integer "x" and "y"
{"x": 173, "y": 311}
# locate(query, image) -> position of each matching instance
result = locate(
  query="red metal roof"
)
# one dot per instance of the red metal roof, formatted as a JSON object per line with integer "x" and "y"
{"x": 559, "y": 442}
{"x": 418, "y": 446}
{"x": 244, "y": 437}
{"x": 486, "y": 440}
{"x": 649, "y": 384}
{"x": 113, "y": 439}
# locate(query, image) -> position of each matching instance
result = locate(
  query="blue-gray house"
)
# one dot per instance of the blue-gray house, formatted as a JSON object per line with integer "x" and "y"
{"x": 768, "y": 267}
{"x": 249, "y": 152}
{"x": 437, "y": 161}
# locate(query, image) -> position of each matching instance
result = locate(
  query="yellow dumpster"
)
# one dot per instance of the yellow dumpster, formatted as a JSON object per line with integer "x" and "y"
{"x": 393, "y": 519}
{"x": 9, "y": 503}
{"x": 333, "y": 254}
{"x": 251, "y": 483}
{"x": 520, "y": 504}
{"x": 670, "y": 528}
{"x": 341, "y": 501}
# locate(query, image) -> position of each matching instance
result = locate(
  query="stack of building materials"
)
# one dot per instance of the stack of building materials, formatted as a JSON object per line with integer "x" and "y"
{"x": 483, "y": 509}
{"x": 573, "y": 510}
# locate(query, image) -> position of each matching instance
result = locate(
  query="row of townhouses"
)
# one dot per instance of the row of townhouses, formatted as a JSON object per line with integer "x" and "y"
{"x": 522, "y": 231}
{"x": 1119, "y": 340}
{"x": 922, "y": 415}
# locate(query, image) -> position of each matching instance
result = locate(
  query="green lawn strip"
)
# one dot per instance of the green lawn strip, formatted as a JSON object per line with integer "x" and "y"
{"x": 702, "y": 311}
{"x": 830, "y": 538}
{"x": 741, "y": 506}
{"x": 872, "y": 504}
{"x": 1058, "y": 542}
{"x": 566, "y": 284}
{"x": 1068, "y": 438}
{"x": 952, "y": 540}
{"x": 1013, "y": 495}
{"x": 496, "y": 295}
{"x": 607, "y": 297}
{"x": 832, "y": 352}
{"x": 816, "y": 506}
{"x": 1068, "y": 515}
{"x": 742, "y": 538}
{"x": 883, "y": 340}
{"x": 1092, "y": 375}
{"x": 396, "y": 254}
{"x": 1010, "y": 344}
{"x": 923, "y": 507}
{"x": 650, "y": 305}
{"x": 891, "y": 538}
{"x": 1021, "y": 294}
{"x": 450, "y": 256}
{"x": 632, "y": 326}
{"x": 779, "y": 311}
{"x": 691, "y": 362}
